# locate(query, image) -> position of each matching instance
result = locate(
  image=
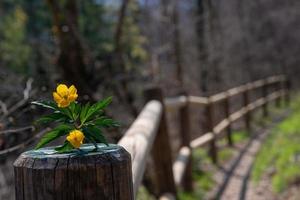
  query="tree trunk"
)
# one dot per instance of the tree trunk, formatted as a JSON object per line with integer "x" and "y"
{"x": 72, "y": 56}
{"x": 200, "y": 28}
{"x": 118, "y": 66}
{"x": 177, "y": 45}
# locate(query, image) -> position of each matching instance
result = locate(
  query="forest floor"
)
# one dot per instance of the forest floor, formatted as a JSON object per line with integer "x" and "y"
{"x": 234, "y": 178}
{"x": 230, "y": 179}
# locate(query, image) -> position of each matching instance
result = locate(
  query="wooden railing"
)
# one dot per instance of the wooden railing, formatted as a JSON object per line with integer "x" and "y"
{"x": 148, "y": 135}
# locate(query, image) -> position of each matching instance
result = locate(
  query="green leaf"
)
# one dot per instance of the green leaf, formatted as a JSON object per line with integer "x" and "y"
{"x": 57, "y": 116}
{"x": 53, "y": 134}
{"x": 95, "y": 133}
{"x": 66, "y": 112}
{"x": 72, "y": 106}
{"x": 89, "y": 138}
{"x": 103, "y": 104}
{"x": 50, "y": 136}
{"x": 83, "y": 112}
{"x": 97, "y": 107}
{"x": 53, "y": 106}
{"x": 74, "y": 110}
{"x": 46, "y": 104}
{"x": 106, "y": 122}
{"x": 66, "y": 147}
{"x": 64, "y": 127}
{"x": 77, "y": 110}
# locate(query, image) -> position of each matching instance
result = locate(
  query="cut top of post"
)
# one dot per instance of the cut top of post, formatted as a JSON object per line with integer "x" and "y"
{"x": 104, "y": 173}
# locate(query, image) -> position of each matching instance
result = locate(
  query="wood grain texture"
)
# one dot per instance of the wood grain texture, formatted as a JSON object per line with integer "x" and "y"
{"x": 161, "y": 151}
{"x": 247, "y": 117}
{"x": 139, "y": 138}
{"x": 265, "y": 105}
{"x": 185, "y": 134}
{"x": 213, "y": 152}
{"x": 104, "y": 174}
{"x": 180, "y": 165}
{"x": 227, "y": 115}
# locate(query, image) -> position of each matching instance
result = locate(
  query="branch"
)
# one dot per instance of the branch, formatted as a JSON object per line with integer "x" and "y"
{"x": 24, "y": 144}
{"x": 18, "y": 130}
{"x": 3, "y": 107}
{"x": 26, "y": 95}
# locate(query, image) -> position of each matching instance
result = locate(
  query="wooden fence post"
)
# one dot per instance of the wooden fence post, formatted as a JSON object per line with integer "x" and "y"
{"x": 185, "y": 133}
{"x": 227, "y": 114}
{"x": 287, "y": 92}
{"x": 105, "y": 174}
{"x": 248, "y": 114}
{"x": 278, "y": 87}
{"x": 161, "y": 151}
{"x": 264, "y": 95}
{"x": 210, "y": 124}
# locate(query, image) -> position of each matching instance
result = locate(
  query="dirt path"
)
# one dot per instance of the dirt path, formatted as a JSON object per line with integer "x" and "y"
{"x": 233, "y": 178}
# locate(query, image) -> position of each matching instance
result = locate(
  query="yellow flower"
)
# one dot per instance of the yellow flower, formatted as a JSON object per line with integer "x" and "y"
{"x": 75, "y": 137}
{"x": 64, "y": 95}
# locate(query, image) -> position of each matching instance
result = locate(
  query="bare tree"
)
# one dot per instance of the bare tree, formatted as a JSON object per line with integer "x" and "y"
{"x": 177, "y": 44}
{"x": 71, "y": 57}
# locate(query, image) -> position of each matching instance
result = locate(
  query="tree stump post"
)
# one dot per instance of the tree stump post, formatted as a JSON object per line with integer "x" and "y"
{"x": 104, "y": 174}
{"x": 227, "y": 114}
{"x": 185, "y": 134}
{"x": 161, "y": 150}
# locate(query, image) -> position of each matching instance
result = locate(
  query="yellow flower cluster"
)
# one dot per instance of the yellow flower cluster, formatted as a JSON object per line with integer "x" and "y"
{"x": 64, "y": 95}
{"x": 75, "y": 137}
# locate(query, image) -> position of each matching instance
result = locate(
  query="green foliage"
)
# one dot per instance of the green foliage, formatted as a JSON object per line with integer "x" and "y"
{"x": 64, "y": 148}
{"x": 89, "y": 111}
{"x": 98, "y": 22}
{"x": 133, "y": 41}
{"x": 14, "y": 51}
{"x": 89, "y": 119}
{"x": 281, "y": 153}
{"x": 203, "y": 179}
{"x": 237, "y": 137}
{"x": 94, "y": 134}
{"x": 53, "y": 117}
{"x": 96, "y": 25}
{"x": 143, "y": 194}
{"x": 240, "y": 136}
{"x": 60, "y": 130}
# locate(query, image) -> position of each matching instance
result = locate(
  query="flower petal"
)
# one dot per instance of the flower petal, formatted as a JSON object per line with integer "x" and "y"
{"x": 75, "y": 137}
{"x": 63, "y": 103}
{"x": 79, "y": 136}
{"x": 62, "y": 90}
{"x": 56, "y": 97}
{"x": 72, "y": 90}
{"x": 72, "y": 98}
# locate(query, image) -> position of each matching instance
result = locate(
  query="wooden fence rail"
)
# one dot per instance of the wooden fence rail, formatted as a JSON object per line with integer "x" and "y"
{"x": 148, "y": 136}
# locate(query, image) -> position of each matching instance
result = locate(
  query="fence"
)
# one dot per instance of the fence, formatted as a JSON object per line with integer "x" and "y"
{"x": 148, "y": 135}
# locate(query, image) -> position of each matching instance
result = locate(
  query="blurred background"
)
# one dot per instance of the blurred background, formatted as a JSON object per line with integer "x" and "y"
{"x": 117, "y": 47}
